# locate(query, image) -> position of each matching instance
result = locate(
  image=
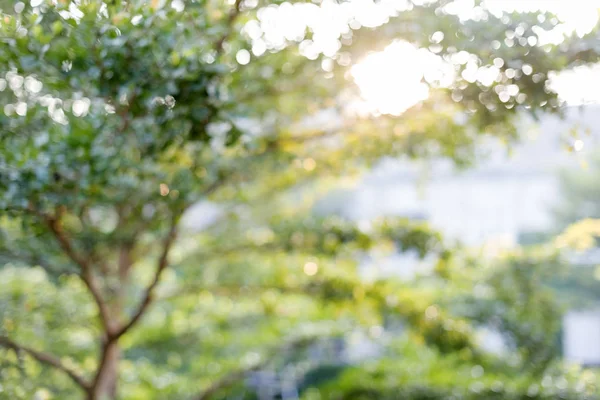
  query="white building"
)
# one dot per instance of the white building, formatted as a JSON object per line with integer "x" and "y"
{"x": 581, "y": 337}
{"x": 503, "y": 196}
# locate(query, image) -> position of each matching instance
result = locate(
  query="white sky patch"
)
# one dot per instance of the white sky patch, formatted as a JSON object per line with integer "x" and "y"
{"x": 578, "y": 15}
{"x": 578, "y": 86}
{"x": 329, "y": 22}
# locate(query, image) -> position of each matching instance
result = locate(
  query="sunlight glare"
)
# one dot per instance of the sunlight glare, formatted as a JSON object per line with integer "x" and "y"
{"x": 578, "y": 86}
{"x": 391, "y": 81}
{"x": 395, "y": 79}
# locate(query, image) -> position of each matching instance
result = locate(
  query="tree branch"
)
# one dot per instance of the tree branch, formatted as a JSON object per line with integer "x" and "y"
{"x": 33, "y": 260}
{"x": 235, "y": 376}
{"x": 113, "y": 336}
{"x": 218, "y": 48}
{"x": 47, "y": 359}
{"x": 86, "y": 269}
{"x": 161, "y": 266}
{"x": 233, "y": 14}
{"x": 233, "y": 289}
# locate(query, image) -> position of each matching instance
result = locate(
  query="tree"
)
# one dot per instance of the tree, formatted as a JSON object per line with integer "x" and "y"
{"x": 576, "y": 216}
{"x": 119, "y": 116}
{"x": 578, "y": 193}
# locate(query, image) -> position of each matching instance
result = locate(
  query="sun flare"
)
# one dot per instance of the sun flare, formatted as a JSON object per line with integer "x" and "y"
{"x": 391, "y": 81}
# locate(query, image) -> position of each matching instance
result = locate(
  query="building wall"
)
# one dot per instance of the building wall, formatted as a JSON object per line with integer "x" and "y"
{"x": 472, "y": 209}
{"x": 509, "y": 191}
{"x": 581, "y": 337}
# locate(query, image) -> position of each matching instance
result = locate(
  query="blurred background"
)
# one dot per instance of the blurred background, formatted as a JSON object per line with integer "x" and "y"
{"x": 293, "y": 200}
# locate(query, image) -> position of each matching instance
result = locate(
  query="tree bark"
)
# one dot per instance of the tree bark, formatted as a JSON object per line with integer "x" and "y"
{"x": 105, "y": 386}
{"x": 107, "y": 377}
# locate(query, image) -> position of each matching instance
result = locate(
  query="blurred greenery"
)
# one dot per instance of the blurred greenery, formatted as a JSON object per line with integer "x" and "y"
{"x": 578, "y": 197}
{"x": 119, "y": 116}
{"x": 577, "y": 218}
{"x": 424, "y": 374}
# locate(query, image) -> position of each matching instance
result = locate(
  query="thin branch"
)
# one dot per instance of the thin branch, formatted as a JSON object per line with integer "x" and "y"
{"x": 310, "y": 137}
{"x": 233, "y": 14}
{"x": 233, "y": 289}
{"x": 47, "y": 359}
{"x": 213, "y": 187}
{"x": 53, "y": 224}
{"x": 33, "y": 260}
{"x": 162, "y": 264}
{"x": 160, "y": 267}
{"x": 218, "y": 48}
{"x": 244, "y": 248}
{"x": 235, "y": 376}
{"x": 86, "y": 269}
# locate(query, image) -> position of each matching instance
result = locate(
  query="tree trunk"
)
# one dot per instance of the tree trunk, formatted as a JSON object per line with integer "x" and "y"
{"x": 105, "y": 387}
{"x": 105, "y": 384}
{"x": 107, "y": 378}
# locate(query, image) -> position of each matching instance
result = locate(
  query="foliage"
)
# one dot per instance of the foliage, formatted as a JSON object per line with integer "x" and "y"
{"x": 424, "y": 374}
{"x": 119, "y": 116}
{"x": 576, "y": 218}
{"x": 513, "y": 296}
{"x": 578, "y": 193}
